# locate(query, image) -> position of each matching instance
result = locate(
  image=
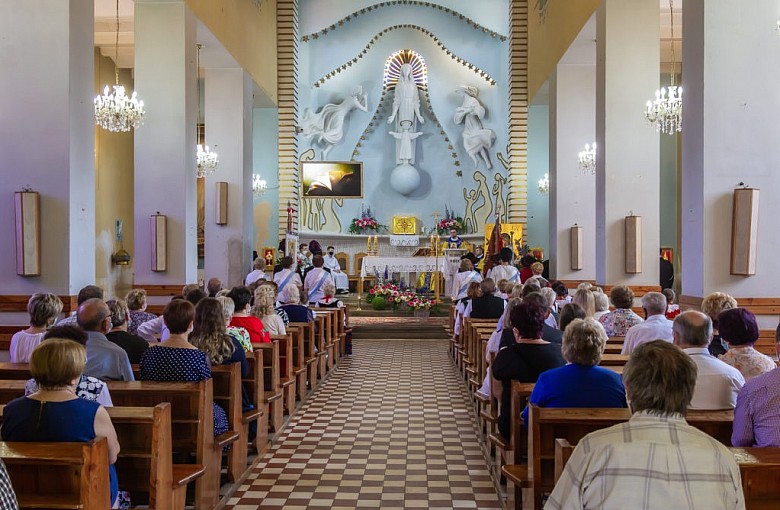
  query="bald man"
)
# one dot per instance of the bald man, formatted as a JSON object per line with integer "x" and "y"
{"x": 717, "y": 383}
{"x": 105, "y": 360}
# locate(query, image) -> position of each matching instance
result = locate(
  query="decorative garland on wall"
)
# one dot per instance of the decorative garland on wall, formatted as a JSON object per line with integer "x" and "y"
{"x": 378, "y": 115}
{"x": 416, "y": 3}
{"x": 482, "y": 74}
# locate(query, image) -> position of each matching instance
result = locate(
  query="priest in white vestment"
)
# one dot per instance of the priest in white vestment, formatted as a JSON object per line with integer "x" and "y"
{"x": 341, "y": 279}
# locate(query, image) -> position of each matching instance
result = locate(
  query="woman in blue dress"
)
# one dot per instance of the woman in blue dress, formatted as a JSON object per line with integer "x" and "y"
{"x": 176, "y": 359}
{"x": 54, "y": 412}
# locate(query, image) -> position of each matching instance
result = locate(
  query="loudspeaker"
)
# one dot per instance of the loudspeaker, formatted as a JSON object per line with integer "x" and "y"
{"x": 28, "y": 233}
{"x": 633, "y": 244}
{"x": 575, "y": 237}
{"x": 159, "y": 242}
{"x": 222, "y": 203}
{"x": 744, "y": 232}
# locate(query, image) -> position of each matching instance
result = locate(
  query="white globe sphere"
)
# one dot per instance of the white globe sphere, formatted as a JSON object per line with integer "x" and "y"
{"x": 405, "y": 179}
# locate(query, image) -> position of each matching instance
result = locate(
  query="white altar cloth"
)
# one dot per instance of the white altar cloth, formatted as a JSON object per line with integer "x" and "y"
{"x": 373, "y": 265}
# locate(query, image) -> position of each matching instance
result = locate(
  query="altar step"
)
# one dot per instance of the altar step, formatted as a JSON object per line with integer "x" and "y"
{"x": 399, "y": 328}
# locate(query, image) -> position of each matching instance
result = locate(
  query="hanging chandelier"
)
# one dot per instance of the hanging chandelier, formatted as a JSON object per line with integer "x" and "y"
{"x": 587, "y": 159}
{"x": 665, "y": 112}
{"x": 115, "y": 111}
{"x": 207, "y": 159}
{"x": 258, "y": 185}
{"x": 544, "y": 184}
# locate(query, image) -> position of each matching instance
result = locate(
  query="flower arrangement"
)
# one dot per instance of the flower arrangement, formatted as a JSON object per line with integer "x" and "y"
{"x": 449, "y": 222}
{"x": 420, "y": 303}
{"x": 389, "y": 293}
{"x": 365, "y": 222}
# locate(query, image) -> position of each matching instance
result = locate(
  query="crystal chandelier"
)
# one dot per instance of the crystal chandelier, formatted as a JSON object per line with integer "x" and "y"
{"x": 258, "y": 185}
{"x": 115, "y": 111}
{"x": 665, "y": 112}
{"x": 207, "y": 159}
{"x": 544, "y": 184}
{"x": 587, "y": 159}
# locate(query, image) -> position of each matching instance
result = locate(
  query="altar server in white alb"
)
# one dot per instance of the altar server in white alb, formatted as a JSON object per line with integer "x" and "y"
{"x": 506, "y": 271}
{"x": 464, "y": 277}
{"x": 341, "y": 279}
{"x": 314, "y": 283}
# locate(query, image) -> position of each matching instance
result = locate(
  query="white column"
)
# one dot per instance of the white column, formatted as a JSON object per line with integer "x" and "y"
{"x": 228, "y": 106}
{"x": 165, "y": 144}
{"x": 47, "y": 138}
{"x": 730, "y": 135}
{"x": 627, "y": 180}
{"x": 572, "y": 192}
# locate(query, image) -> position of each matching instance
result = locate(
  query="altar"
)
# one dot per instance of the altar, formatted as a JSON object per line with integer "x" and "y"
{"x": 377, "y": 265}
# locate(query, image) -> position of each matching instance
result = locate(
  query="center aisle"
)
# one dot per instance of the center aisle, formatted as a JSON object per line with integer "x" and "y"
{"x": 391, "y": 428}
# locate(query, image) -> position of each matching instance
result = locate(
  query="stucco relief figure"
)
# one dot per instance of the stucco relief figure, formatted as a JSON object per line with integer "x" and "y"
{"x": 406, "y": 142}
{"x": 485, "y": 209}
{"x": 498, "y": 192}
{"x": 477, "y": 140}
{"x": 406, "y": 108}
{"x": 326, "y": 127}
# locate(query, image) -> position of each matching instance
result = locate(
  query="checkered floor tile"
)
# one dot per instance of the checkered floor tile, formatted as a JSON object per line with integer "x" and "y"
{"x": 391, "y": 428}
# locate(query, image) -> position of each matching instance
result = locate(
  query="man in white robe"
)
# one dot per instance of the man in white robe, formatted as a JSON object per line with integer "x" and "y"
{"x": 341, "y": 279}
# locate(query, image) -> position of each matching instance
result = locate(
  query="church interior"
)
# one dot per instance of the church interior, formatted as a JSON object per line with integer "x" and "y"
{"x": 381, "y": 197}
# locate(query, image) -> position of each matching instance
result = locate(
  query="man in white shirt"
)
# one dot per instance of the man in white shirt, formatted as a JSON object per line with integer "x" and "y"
{"x": 717, "y": 384}
{"x": 287, "y": 276}
{"x": 313, "y": 284}
{"x": 258, "y": 272}
{"x": 506, "y": 271}
{"x": 655, "y": 327}
{"x": 341, "y": 279}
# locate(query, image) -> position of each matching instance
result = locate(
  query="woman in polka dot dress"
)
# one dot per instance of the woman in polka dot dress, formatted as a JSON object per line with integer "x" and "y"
{"x": 176, "y": 360}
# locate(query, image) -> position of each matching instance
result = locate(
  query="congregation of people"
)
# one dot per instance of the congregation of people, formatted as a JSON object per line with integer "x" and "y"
{"x": 676, "y": 361}
{"x": 71, "y": 358}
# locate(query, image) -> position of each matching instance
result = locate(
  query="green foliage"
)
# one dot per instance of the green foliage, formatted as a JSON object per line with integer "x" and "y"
{"x": 378, "y": 303}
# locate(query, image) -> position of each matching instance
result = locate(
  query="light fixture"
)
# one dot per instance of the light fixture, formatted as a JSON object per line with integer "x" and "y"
{"x": 207, "y": 160}
{"x": 115, "y": 111}
{"x": 665, "y": 112}
{"x": 258, "y": 185}
{"x": 587, "y": 159}
{"x": 544, "y": 184}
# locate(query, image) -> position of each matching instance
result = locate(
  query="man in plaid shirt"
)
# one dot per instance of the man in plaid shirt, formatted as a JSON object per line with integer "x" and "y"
{"x": 655, "y": 460}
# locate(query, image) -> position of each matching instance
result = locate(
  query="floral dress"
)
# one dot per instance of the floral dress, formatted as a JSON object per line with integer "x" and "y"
{"x": 175, "y": 364}
{"x": 748, "y": 361}
{"x": 241, "y": 335}
{"x": 618, "y": 321}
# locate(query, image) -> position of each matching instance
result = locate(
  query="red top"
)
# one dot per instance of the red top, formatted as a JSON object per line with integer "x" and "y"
{"x": 255, "y": 327}
{"x": 525, "y": 273}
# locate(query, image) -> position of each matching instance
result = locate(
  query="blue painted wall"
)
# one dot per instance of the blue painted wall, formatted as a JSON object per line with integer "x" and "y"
{"x": 265, "y": 164}
{"x": 537, "y": 233}
{"x": 441, "y": 186}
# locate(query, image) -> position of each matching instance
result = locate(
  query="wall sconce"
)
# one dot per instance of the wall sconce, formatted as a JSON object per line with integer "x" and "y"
{"x": 222, "y": 203}
{"x": 258, "y": 185}
{"x": 159, "y": 242}
{"x": 28, "y": 232}
{"x": 121, "y": 257}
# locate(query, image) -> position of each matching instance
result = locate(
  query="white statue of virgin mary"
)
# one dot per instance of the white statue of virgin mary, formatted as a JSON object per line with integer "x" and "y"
{"x": 406, "y": 111}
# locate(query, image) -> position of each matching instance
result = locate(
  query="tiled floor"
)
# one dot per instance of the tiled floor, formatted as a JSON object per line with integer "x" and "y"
{"x": 389, "y": 429}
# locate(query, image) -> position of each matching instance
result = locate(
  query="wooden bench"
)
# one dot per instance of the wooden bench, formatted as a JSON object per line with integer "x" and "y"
{"x": 273, "y": 401}
{"x": 193, "y": 420}
{"x": 300, "y": 334}
{"x": 286, "y": 372}
{"x": 59, "y": 475}
{"x": 254, "y": 385}
{"x": 227, "y": 394}
{"x": 546, "y": 425}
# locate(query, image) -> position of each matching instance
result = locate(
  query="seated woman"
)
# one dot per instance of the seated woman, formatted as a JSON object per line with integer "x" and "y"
{"x": 493, "y": 346}
{"x": 618, "y": 321}
{"x": 242, "y": 316}
{"x": 277, "y": 307}
{"x": 54, "y": 412}
{"x": 90, "y": 388}
{"x": 329, "y": 297}
{"x": 177, "y": 360}
{"x": 238, "y": 334}
{"x": 136, "y": 303}
{"x": 290, "y": 298}
{"x": 713, "y": 304}
{"x": 569, "y": 312}
{"x": 601, "y": 301}
{"x": 586, "y": 299}
{"x": 265, "y": 299}
{"x": 43, "y": 309}
{"x": 526, "y": 360}
{"x": 460, "y": 310}
{"x": 580, "y": 383}
{"x": 739, "y": 329}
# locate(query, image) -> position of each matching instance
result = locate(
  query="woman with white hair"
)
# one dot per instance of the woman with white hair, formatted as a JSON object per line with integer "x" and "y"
{"x": 290, "y": 297}
{"x": 241, "y": 335}
{"x": 329, "y": 297}
{"x": 581, "y": 382}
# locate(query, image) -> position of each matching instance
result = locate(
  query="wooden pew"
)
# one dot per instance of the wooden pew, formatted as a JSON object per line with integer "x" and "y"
{"x": 546, "y": 425}
{"x": 513, "y": 451}
{"x": 273, "y": 401}
{"x": 59, "y": 475}
{"x": 300, "y": 333}
{"x": 286, "y": 372}
{"x": 192, "y": 419}
{"x": 145, "y": 466}
{"x": 227, "y": 394}
{"x": 760, "y": 470}
{"x": 254, "y": 385}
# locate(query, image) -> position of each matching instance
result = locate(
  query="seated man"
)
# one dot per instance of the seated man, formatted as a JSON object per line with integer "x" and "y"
{"x": 341, "y": 279}
{"x": 655, "y": 327}
{"x": 655, "y": 460}
{"x": 757, "y": 414}
{"x": 88, "y": 292}
{"x": 105, "y": 360}
{"x": 717, "y": 383}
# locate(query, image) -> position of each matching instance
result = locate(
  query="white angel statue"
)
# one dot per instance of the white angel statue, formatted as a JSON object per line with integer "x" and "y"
{"x": 326, "y": 127}
{"x": 477, "y": 140}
